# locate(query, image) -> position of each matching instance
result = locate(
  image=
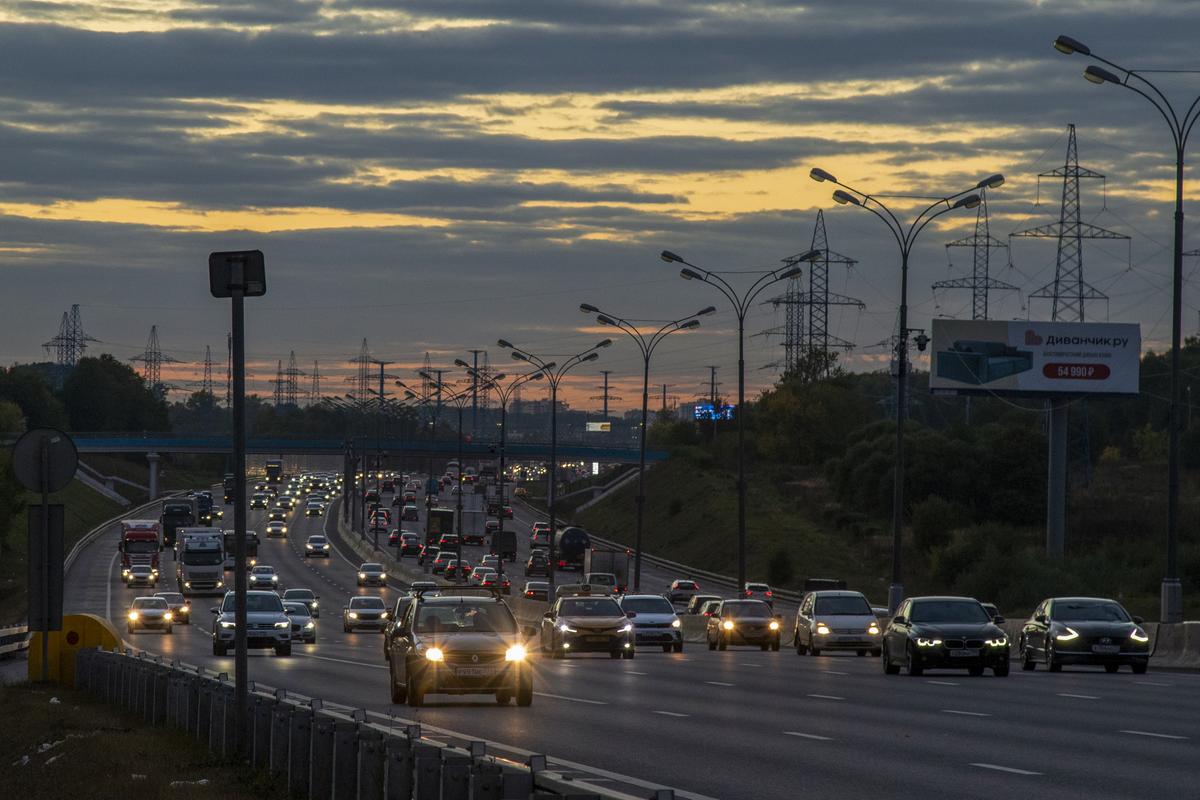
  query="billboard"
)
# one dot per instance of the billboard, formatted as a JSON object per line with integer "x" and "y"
{"x": 599, "y": 427}
{"x": 1020, "y": 357}
{"x": 709, "y": 411}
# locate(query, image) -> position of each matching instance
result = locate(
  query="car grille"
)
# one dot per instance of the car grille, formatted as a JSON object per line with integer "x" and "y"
{"x": 481, "y": 658}
{"x": 957, "y": 644}
{"x": 653, "y": 625}
{"x": 596, "y": 630}
{"x": 260, "y": 626}
{"x": 363, "y": 617}
{"x": 295, "y": 627}
{"x": 846, "y": 631}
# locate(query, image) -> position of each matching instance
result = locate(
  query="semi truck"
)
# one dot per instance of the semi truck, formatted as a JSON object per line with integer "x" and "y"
{"x": 570, "y": 548}
{"x": 141, "y": 543}
{"x": 251, "y": 548}
{"x": 274, "y": 470}
{"x": 608, "y": 562}
{"x": 178, "y": 512}
{"x": 200, "y": 563}
{"x": 230, "y": 484}
{"x": 441, "y": 520}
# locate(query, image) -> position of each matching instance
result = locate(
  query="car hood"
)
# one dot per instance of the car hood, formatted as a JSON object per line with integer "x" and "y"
{"x": 469, "y": 642}
{"x": 255, "y": 617}
{"x": 985, "y": 630}
{"x": 847, "y": 620}
{"x": 594, "y": 622}
{"x": 151, "y": 612}
{"x": 1121, "y": 629}
{"x": 647, "y": 618}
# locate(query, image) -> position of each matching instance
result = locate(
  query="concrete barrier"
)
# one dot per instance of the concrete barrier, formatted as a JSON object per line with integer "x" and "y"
{"x": 694, "y": 627}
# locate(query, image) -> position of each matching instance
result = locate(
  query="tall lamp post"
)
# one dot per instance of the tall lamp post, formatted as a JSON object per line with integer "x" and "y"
{"x": 1171, "y": 596}
{"x": 554, "y": 375}
{"x": 741, "y": 306}
{"x": 646, "y": 343}
{"x": 459, "y": 399}
{"x": 905, "y": 236}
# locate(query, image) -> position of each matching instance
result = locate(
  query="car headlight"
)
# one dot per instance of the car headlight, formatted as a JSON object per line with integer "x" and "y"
{"x": 923, "y": 642}
{"x": 315, "y": 604}
{"x": 1001, "y": 641}
{"x": 284, "y": 624}
{"x": 362, "y": 574}
{"x": 1138, "y": 635}
{"x": 822, "y": 629}
{"x": 308, "y": 546}
{"x": 727, "y": 624}
{"x": 133, "y": 615}
{"x": 353, "y": 615}
{"x": 220, "y": 584}
{"x": 310, "y": 625}
{"x": 226, "y": 625}
{"x": 515, "y": 653}
{"x": 565, "y": 628}
{"x": 873, "y": 629}
{"x": 188, "y": 584}
{"x": 774, "y": 625}
{"x": 675, "y": 623}
{"x": 383, "y": 615}
{"x": 1066, "y": 637}
{"x": 627, "y": 627}
{"x": 168, "y": 616}
{"x": 434, "y": 654}
{"x": 383, "y": 576}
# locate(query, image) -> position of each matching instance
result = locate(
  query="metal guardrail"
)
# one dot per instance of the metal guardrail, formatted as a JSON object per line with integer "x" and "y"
{"x": 322, "y": 750}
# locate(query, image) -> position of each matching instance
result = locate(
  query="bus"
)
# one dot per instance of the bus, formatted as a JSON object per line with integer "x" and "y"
{"x": 251, "y": 549}
{"x": 274, "y": 470}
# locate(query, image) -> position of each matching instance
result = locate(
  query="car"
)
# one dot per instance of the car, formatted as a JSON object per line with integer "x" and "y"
{"x": 696, "y": 603}
{"x": 478, "y": 573}
{"x": 682, "y": 590}
{"x": 448, "y": 541}
{"x": 259, "y": 500}
{"x": 606, "y": 579}
{"x": 422, "y": 586}
{"x": 317, "y": 546}
{"x": 744, "y": 622}
{"x": 428, "y": 554}
{"x": 277, "y": 528}
{"x": 306, "y": 596}
{"x": 180, "y": 607}
{"x": 583, "y": 622}
{"x": 277, "y": 514}
{"x": 709, "y": 608}
{"x": 539, "y": 526}
{"x": 267, "y": 626}
{"x": 654, "y": 621}
{"x": 378, "y": 524}
{"x": 759, "y": 591}
{"x": 149, "y": 613}
{"x": 371, "y": 573}
{"x": 141, "y": 575}
{"x": 507, "y": 512}
{"x": 536, "y": 590}
{"x": 944, "y": 633}
{"x": 455, "y": 491}
{"x": 410, "y": 498}
{"x": 462, "y": 643}
{"x": 539, "y": 539}
{"x": 286, "y": 502}
{"x": 385, "y": 514}
{"x": 410, "y": 514}
{"x": 456, "y": 568}
{"x": 440, "y": 563}
{"x": 494, "y": 580}
{"x": 991, "y": 609}
{"x": 314, "y": 509}
{"x": 396, "y": 618}
{"x": 304, "y": 627}
{"x": 836, "y": 620}
{"x": 263, "y": 576}
{"x": 537, "y": 564}
{"x": 1083, "y": 630}
{"x": 520, "y": 491}
{"x": 371, "y": 496}
{"x": 364, "y": 612}
{"x": 490, "y": 526}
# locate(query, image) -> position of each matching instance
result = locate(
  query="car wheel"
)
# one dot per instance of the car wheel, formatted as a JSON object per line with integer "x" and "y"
{"x": 888, "y": 667}
{"x": 666, "y": 648}
{"x": 398, "y": 691}
{"x": 915, "y": 669}
{"x": 722, "y": 643}
{"x": 875, "y": 653}
{"x": 765, "y": 646}
{"x": 678, "y": 647}
{"x": 416, "y": 693}
{"x": 1027, "y": 662}
{"x": 630, "y": 653}
{"x": 170, "y": 630}
{"x": 1001, "y": 669}
{"x": 860, "y": 652}
{"x": 775, "y": 645}
{"x": 1052, "y": 664}
{"x": 975, "y": 672}
{"x": 284, "y": 649}
{"x": 1111, "y": 668}
{"x": 1139, "y": 667}
{"x": 814, "y": 651}
{"x": 712, "y": 645}
{"x": 801, "y": 647}
{"x": 345, "y": 628}
{"x": 614, "y": 654}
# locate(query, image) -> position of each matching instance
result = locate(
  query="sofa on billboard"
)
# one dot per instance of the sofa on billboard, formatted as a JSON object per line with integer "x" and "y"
{"x": 978, "y": 362}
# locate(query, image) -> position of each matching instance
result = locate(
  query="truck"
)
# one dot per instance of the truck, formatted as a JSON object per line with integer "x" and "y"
{"x": 274, "y": 470}
{"x": 141, "y": 543}
{"x": 178, "y": 512}
{"x": 441, "y": 520}
{"x": 571, "y": 545}
{"x": 251, "y": 548}
{"x": 204, "y": 508}
{"x": 200, "y": 561}
{"x": 230, "y": 485}
{"x": 607, "y": 562}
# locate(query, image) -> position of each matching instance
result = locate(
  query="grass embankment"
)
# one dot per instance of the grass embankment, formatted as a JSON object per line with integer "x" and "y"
{"x": 82, "y": 748}
{"x": 179, "y": 472}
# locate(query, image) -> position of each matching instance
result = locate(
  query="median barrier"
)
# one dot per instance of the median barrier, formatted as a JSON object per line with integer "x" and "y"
{"x": 694, "y": 627}
{"x": 326, "y": 751}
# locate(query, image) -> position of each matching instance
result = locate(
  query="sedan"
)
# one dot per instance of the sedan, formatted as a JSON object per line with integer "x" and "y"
{"x": 494, "y": 580}
{"x": 682, "y": 590}
{"x": 536, "y": 590}
{"x": 944, "y": 633}
{"x": 759, "y": 591}
{"x": 836, "y": 620}
{"x": 410, "y": 514}
{"x": 1084, "y": 630}
{"x": 263, "y": 577}
{"x": 441, "y": 562}
{"x": 455, "y": 568}
{"x": 745, "y": 622}
{"x": 537, "y": 564}
{"x": 310, "y": 599}
{"x": 141, "y": 575}
{"x": 149, "y": 612}
{"x": 304, "y": 628}
{"x": 654, "y": 621}
{"x": 314, "y": 510}
{"x": 364, "y": 612}
{"x": 371, "y": 573}
{"x": 317, "y": 546}
{"x": 179, "y": 606}
{"x": 428, "y": 554}
{"x": 276, "y": 528}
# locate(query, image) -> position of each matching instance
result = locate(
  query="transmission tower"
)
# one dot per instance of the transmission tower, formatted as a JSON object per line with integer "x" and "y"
{"x": 314, "y": 392}
{"x": 604, "y": 395}
{"x": 806, "y": 321}
{"x": 1068, "y": 292}
{"x": 206, "y": 382}
{"x": 980, "y": 283}
{"x": 291, "y": 386}
{"x": 71, "y": 342}
{"x": 361, "y": 380}
{"x": 152, "y": 360}
{"x": 278, "y": 382}
{"x": 708, "y": 390}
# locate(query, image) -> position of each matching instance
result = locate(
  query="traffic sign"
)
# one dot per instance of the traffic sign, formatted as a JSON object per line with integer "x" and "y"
{"x": 61, "y": 460}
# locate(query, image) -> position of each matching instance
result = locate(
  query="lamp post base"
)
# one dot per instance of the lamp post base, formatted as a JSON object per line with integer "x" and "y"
{"x": 1171, "y": 598}
{"x": 895, "y": 595}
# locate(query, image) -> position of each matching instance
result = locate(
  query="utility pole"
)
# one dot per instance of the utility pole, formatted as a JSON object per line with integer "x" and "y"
{"x": 980, "y": 283}
{"x": 474, "y": 393}
{"x": 604, "y": 395}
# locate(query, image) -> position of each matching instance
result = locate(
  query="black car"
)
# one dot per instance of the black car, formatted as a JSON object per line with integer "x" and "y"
{"x": 399, "y": 612}
{"x": 537, "y": 564}
{"x": 462, "y": 642}
{"x": 1083, "y": 630}
{"x": 944, "y": 633}
{"x": 746, "y": 622}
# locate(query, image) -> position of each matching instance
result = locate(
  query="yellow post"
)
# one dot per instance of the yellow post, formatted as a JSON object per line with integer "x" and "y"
{"x": 79, "y": 631}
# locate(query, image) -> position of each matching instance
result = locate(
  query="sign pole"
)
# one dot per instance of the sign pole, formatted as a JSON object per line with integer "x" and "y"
{"x": 44, "y": 456}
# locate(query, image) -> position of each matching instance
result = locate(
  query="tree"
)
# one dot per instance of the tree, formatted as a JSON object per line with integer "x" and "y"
{"x": 25, "y": 386}
{"x": 102, "y": 394}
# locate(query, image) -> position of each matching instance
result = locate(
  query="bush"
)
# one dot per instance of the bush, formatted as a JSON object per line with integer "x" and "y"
{"x": 780, "y": 570}
{"x": 934, "y": 519}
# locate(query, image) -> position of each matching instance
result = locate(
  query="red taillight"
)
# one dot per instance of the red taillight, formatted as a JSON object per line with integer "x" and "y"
{"x": 562, "y": 563}
{"x": 747, "y": 593}
{"x": 768, "y": 594}
{"x": 529, "y": 594}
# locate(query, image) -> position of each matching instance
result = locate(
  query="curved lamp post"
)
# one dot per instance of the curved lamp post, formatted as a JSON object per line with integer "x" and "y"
{"x": 741, "y": 306}
{"x": 460, "y": 399}
{"x": 905, "y": 236}
{"x": 554, "y": 375}
{"x": 1171, "y": 597}
{"x": 646, "y": 343}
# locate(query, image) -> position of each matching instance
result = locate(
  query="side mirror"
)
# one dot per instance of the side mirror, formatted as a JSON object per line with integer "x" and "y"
{"x": 1039, "y": 618}
{"x": 998, "y": 619}
{"x": 215, "y": 610}
{"x": 1138, "y": 620}
{"x": 548, "y": 615}
{"x": 900, "y": 620}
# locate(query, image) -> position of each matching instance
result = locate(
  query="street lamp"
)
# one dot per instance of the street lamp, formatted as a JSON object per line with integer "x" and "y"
{"x": 554, "y": 376}
{"x": 1171, "y": 593}
{"x": 460, "y": 399}
{"x": 741, "y": 306}
{"x": 905, "y": 238}
{"x": 647, "y": 344}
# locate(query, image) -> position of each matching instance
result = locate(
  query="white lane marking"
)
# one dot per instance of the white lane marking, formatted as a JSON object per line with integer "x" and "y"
{"x": 750, "y": 664}
{"x": 718, "y": 683}
{"x": 670, "y": 713}
{"x": 108, "y": 587}
{"x": 833, "y": 672}
{"x": 1154, "y": 735}
{"x": 964, "y": 713}
{"x": 998, "y": 768}
{"x": 1153, "y": 683}
{"x": 943, "y": 683}
{"x": 635, "y": 672}
{"x": 826, "y": 696}
{"x": 572, "y": 699}
{"x": 812, "y": 736}
{"x": 343, "y": 661}
{"x": 1078, "y": 696}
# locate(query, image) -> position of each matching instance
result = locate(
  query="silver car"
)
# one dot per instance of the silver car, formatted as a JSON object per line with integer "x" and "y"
{"x": 266, "y": 624}
{"x": 149, "y": 612}
{"x": 654, "y": 621}
{"x": 364, "y": 612}
{"x": 837, "y": 620}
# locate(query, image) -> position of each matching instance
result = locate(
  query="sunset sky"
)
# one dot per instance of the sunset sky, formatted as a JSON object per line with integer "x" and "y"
{"x": 437, "y": 174}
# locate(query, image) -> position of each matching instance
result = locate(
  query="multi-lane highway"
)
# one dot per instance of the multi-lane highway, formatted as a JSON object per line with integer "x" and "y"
{"x": 740, "y": 723}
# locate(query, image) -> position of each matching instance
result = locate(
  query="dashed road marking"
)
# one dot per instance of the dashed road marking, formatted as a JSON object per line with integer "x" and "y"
{"x": 571, "y": 699}
{"x": 943, "y": 683}
{"x": 813, "y": 736}
{"x": 670, "y": 713}
{"x": 1155, "y": 735}
{"x": 826, "y": 697}
{"x": 1078, "y": 696}
{"x": 964, "y": 713}
{"x": 1153, "y": 683}
{"x": 999, "y": 768}
{"x": 718, "y": 683}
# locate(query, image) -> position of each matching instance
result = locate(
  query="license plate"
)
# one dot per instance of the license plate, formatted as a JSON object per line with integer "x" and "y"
{"x": 475, "y": 672}
{"x": 1106, "y": 648}
{"x": 970, "y": 652}
{"x": 597, "y": 638}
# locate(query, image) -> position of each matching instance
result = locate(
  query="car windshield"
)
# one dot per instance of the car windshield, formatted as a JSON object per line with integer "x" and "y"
{"x": 372, "y": 568}
{"x": 299, "y": 594}
{"x": 297, "y": 609}
{"x": 366, "y": 602}
{"x": 177, "y": 510}
{"x": 263, "y": 570}
{"x": 255, "y": 603}
{"x": 205, "y": 559}
{"x": 141, "y": 547}
{"x": 149, "y": 602}
{"x": 833, "y": 606}
{"x": 172, "y": 597}
{"x": 465, "y": 617}
{"x": 685, "y": 584}
{"x": 648, "y": 605}
{"x": 1084, "y": 611}
{"x": 757, "y": 587}
{"x": 753, "y": 610}
{"x": 316, "y": 540}
{"x": 140, "y": 569}
{"x": 965, "y": 611}
{"x": 590, "y": 607}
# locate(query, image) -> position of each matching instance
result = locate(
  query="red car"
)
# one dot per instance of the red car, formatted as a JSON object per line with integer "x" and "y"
{"x": 508, "y": 512}
{"x": 441, "y": 562}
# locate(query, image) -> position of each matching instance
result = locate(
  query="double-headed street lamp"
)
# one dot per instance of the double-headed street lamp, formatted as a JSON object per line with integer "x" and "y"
{"x": 646, "y": 343}
{"x": 741, "y": 307}
{"x": 554, "y": 375}
{"x": 905, "y": 236}
{"x": 460, "y": 399}
{"x": 1171, "y": 597}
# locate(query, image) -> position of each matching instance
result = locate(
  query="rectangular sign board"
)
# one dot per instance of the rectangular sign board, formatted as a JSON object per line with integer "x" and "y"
{"x": 599, "y": 427}
{"x": 709, "y": 411}
{"x": 1020, "y": 357}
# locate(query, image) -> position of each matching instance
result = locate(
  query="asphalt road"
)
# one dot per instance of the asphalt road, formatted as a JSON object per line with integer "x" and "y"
{"x": 740, "y": 723}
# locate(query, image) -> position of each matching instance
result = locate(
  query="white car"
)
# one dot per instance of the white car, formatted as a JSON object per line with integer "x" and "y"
{"x": 263, "y": 577}
{"x": 149, "y": 612}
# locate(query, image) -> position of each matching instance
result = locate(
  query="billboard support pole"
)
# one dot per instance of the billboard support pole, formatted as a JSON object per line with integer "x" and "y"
{"x": 1056, "y": 480}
